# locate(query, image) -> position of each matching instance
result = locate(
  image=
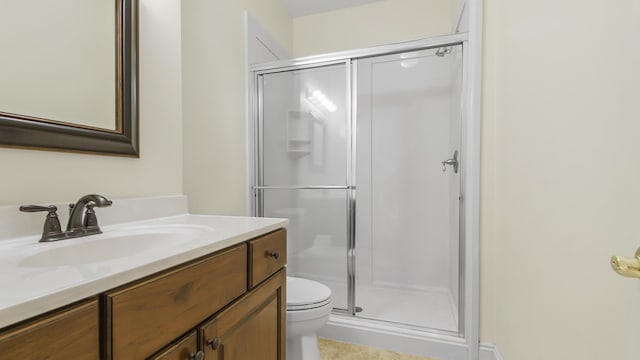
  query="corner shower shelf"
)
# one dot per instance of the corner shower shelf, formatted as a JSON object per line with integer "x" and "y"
{"x": 299, "y": 128}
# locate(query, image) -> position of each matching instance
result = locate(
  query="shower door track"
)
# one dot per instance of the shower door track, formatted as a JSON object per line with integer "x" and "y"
{"x": 342, "y": 56}
{"x": 312, "y": 187}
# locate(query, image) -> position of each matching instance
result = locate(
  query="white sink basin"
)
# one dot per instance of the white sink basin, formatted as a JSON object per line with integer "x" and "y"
{"x": 115, "y": 244}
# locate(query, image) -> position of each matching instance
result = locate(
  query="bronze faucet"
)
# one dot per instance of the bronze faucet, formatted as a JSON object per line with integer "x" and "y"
{"x": 78, "y": 225}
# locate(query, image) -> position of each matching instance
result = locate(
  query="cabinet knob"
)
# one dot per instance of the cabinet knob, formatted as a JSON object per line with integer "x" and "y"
{"x": 214, "y": 343}
{"x": 197, "y": 355}
{"x": 275, "y": 254}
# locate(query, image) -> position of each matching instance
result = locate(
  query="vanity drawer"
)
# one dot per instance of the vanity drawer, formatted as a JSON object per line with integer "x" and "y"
{"x": 267, "y": 254}
{"x": 143, "y": 317}
{"x": 67, "y": 334}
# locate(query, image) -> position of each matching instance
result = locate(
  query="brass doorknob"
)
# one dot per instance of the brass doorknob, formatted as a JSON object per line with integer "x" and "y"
{"x": 629, "y": 267}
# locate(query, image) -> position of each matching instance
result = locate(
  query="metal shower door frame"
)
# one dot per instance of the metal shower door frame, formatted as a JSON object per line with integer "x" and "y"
{"x": 349, "y": 58}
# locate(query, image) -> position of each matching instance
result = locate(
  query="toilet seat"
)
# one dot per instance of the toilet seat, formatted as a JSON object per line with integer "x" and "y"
{"x": 308, "y": 306}
{"x": 303, "y": 294}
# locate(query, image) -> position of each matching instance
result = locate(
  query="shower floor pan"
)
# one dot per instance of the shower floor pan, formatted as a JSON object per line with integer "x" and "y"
{"x": 429, "y": 309}
{"x": 433, "y": 309}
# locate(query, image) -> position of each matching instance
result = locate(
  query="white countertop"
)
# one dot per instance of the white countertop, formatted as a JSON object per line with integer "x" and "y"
{"x": 29, "y": 288}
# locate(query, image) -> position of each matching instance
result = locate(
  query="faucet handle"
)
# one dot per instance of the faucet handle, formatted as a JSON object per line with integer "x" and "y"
{"x": 52, "y": 230}
{"x": 90, "y": 219}
{"x": 35, "y": 208}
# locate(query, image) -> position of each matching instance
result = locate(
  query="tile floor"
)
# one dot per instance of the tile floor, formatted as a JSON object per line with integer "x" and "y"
{"x": 335, "y": 350}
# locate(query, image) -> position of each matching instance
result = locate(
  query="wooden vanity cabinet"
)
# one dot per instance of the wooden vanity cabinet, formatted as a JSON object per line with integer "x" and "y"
{"x": 69, "y": 333}
{"x": 230, "y": 305}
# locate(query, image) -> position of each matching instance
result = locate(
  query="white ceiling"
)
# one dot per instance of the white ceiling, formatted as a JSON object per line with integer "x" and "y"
{"x": 307, "y": 7}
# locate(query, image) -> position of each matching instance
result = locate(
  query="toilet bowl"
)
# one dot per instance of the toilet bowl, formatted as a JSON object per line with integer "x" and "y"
{"x": 308, "y": 309}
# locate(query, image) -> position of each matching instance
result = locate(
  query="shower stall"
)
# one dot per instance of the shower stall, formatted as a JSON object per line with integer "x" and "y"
{"x": 363, "y": 152}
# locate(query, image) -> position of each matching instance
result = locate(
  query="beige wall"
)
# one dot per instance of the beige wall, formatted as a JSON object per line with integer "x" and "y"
{"x": 39, "y": 176}
{"x": 214, "y": 98}
{"x": 560, "y": 178}
{"x": 374, "y": 24}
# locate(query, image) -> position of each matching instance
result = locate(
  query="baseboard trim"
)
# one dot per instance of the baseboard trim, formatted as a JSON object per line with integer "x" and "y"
{"x": 489, "y": 352}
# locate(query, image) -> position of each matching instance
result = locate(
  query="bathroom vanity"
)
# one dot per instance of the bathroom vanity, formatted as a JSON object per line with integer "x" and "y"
{"x": 219, "y": 294}
{"x": 185, "y": 303}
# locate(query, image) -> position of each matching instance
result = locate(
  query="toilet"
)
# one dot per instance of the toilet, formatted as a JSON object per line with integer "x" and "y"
{"x": 308, "y": 309}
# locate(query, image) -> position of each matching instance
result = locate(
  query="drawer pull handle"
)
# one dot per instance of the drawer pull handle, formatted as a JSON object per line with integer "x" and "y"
{"x": 197, "y": 355}
{"x": 214, "y": 343}
{"x": 275, "y": 254}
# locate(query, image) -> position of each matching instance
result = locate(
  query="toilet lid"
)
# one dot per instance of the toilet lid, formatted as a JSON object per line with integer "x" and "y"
{"x": 305, "y": 294}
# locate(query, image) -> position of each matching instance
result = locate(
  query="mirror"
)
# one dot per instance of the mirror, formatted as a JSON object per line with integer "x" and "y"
{"x": 69, "y": 75}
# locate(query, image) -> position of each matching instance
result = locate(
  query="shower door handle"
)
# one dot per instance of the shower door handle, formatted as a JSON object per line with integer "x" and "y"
{"x": 453, "y": 162}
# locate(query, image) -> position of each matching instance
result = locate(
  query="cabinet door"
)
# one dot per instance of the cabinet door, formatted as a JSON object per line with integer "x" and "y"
{"x": 253, "y": 328}
{"x": 183, "y": 349}
{"x": 67, "y": 334}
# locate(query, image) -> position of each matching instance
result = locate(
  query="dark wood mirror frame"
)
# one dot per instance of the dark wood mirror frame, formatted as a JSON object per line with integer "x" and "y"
{"x": 29, "y": 132}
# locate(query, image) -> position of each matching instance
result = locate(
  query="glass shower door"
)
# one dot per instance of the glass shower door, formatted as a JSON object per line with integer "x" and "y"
{"x": 304, "y": 141}
{"x": 408, "y": 209}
